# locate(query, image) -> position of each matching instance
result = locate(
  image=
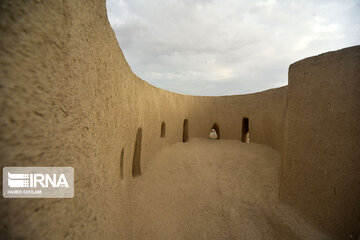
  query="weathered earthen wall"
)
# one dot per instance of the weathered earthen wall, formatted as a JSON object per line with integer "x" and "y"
{"x": 321, "y": 161}
{"x": 68, "y": 98}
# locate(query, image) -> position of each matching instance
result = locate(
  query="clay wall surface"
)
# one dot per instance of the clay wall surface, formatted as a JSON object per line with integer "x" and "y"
{"x": 69, "y": 98}
{"x": 320, "y": 168}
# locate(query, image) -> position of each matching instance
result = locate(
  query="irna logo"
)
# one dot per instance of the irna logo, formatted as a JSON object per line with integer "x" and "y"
{"x": 38, "y": 182}
{"x": 19, "y": 180}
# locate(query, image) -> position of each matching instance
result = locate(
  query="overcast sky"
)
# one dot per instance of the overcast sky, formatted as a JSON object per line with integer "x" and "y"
{"x": 223, "y": 47}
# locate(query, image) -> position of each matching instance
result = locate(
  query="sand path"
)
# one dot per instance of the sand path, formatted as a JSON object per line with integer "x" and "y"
{"x": 213, "y": 189}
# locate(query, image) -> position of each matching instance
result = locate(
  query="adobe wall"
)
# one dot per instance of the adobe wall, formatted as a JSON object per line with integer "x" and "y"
{"x": 68, "y": 98}
{"x": 321, "y": 159}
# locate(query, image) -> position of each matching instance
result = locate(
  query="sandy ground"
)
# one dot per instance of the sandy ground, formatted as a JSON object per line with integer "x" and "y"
{"x": 213, "y": 189}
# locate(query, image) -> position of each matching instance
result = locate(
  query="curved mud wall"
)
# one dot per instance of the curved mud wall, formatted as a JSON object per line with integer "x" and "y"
{"x": 321, "y": 160}
{"x": 68, "y": 98}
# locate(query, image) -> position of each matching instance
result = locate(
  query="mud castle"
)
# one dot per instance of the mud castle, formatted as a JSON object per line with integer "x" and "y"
{"x": 69, "y": 98}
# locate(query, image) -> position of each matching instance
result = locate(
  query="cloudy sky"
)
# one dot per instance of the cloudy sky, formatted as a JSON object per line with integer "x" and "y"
{"x": 225, "y": 47}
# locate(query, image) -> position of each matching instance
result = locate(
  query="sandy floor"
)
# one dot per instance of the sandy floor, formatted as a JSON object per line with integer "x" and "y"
{"x": 213, "y": 189}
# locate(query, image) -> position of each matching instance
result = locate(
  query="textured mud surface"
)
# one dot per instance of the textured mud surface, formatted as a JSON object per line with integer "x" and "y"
{"x": 213, "y": 189}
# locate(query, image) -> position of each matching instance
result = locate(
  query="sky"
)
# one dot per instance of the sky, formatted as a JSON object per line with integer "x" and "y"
{"x": 228, "y": 47}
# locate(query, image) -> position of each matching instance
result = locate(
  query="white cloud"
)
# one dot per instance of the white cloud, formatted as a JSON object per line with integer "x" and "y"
{"x": 216, "y": 47}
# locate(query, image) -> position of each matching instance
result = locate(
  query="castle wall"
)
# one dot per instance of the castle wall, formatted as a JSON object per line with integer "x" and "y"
{"x": 69, "y": 98}
{"x": 320, "y": 168}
